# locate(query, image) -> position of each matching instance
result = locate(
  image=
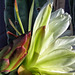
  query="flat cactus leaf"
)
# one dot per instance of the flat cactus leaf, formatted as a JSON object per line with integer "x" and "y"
{"x": 41, "y": 3}
{"x": 9, "y": 13}
{"x": 18, "y": 17}
{"x": 23, "y": 13}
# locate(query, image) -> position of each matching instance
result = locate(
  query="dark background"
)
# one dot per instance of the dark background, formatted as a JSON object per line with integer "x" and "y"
{"x": 3, "y": 38}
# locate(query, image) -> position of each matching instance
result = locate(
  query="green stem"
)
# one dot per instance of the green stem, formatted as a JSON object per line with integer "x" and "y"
{"x": 30, "y": 16}
{"x": 20, "y": 23}
{"x": 14, "y": 27}
{"x": 18, "y": 17}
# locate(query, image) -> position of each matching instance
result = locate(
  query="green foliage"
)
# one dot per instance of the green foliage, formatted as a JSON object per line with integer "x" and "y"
{"x": 10, "y": 13}
{"x": 52, "y": 54}
{"x": 47, "y": 52}
{"x": 40, "y": 3}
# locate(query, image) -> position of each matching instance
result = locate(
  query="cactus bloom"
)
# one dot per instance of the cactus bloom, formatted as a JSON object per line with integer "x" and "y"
{"x": 47, "y": 52}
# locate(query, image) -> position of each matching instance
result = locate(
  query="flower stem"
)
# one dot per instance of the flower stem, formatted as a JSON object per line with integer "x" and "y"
{"x": 14, "y": 27}
{"x": 18, "y": 17}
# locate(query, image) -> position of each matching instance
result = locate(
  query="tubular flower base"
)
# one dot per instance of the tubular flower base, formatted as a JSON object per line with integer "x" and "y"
{"x": 12, "y": 55}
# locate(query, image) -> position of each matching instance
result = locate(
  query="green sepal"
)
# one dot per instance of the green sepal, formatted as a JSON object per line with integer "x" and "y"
{"x": 43, "y": 17}
{"x": 35, "y": 46}
{"x": 4, "y": 63}
{"x": 16, "y": 58}
{"x": 31, "y": 16}
{"x": 20, "y": 41}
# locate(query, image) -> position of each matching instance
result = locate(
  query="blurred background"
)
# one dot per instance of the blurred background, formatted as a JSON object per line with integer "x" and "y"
{"x": 67, "y": 5}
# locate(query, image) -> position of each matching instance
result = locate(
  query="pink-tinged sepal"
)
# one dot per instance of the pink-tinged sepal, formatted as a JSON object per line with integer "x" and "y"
{"x": 18, "y": 42}
{"x": 15, "y": 52}
{"x": 17, "y": 57}
{"x": 26, "y": 45}
{"x": 4, "y": 63}
{"x": 16, "y": 6}
{"x": 5, "y": 51}
{"x": 10, "y": 33}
